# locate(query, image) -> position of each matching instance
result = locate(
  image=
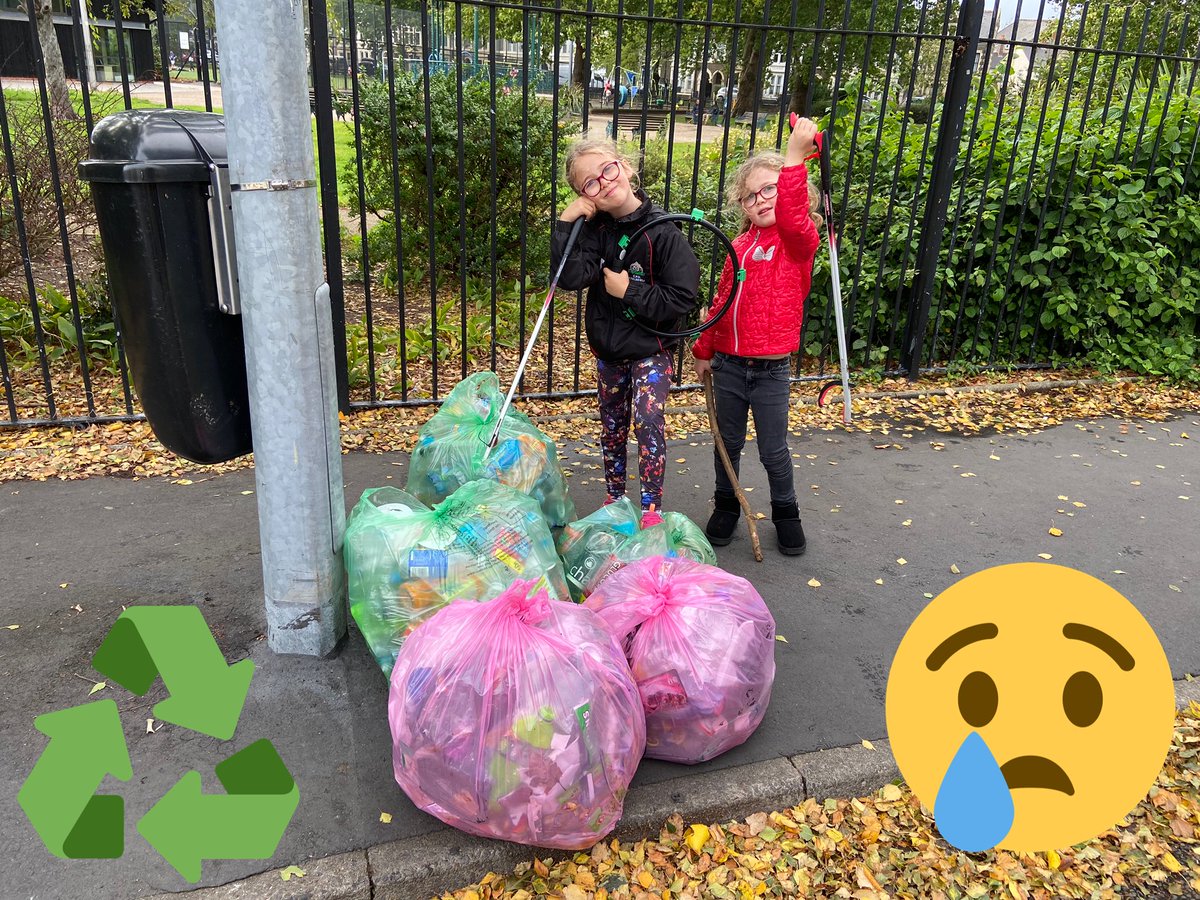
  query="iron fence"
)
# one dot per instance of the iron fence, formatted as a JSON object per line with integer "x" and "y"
{"x": 440, "y": 131}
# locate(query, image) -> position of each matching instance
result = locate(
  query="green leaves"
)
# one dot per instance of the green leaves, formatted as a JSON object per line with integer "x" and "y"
{"x": 1065, "y": 244}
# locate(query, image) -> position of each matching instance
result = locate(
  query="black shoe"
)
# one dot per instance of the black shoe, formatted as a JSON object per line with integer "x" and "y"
{"x": 788, "y": 530}
{"x": 723, "y": 522}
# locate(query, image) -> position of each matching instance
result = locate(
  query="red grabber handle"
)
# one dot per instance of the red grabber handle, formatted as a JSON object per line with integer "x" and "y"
{"x": 819, "y": 139}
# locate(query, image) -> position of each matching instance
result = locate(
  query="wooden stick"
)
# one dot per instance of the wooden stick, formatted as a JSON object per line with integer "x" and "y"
{"x": 733, "y": 479}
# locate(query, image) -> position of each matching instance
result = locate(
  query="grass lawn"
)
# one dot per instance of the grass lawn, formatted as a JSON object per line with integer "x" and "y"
{"x": 18, "y": 102}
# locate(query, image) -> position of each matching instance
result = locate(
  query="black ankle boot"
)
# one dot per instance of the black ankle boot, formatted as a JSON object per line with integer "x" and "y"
{"x": 723, "y": 522}
{"x": 788, "y": 530}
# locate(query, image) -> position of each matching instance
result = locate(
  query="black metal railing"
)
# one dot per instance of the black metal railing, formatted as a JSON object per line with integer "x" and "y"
{"x": 441, "y": 128}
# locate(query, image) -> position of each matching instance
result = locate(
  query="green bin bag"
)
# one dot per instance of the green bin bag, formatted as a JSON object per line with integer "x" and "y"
{"x": 600, "y": 544}
{"x": 584, "y": 546}
{"x": 405, "y": 561}
{"x": 451, "y": 446}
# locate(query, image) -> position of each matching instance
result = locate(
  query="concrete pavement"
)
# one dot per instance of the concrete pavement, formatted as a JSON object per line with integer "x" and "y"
{"x": 970, "y": 501}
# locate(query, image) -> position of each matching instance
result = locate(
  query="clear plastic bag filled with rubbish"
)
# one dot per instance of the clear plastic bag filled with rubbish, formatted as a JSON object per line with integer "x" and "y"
{"x": 516, "y": 719}
{"x": 405, "y": 561}
{"x": 701, "y": 645}
{"x": 676, "y": 536}
{"x": 586, "y": 545}
{"x": 451, "y": 450}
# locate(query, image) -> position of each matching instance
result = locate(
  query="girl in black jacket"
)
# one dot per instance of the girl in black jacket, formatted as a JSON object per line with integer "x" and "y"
{"x": 659, "y": 284}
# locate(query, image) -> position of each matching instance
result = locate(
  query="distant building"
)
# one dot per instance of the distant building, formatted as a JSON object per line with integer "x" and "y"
{"x": 17, "y": 57}
{"x": 1019, "y": 39}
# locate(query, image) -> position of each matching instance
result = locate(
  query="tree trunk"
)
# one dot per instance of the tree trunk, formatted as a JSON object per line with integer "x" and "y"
{"x": 750, "y": 76}
{"x": 579, "y": 76}
{"x": 799, "y": 88}
{"x": 56, "y": 75}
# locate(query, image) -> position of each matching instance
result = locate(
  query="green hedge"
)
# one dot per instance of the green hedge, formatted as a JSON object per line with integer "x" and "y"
{"x": 522, "y": 207}
{"x": 1112, "y": 279}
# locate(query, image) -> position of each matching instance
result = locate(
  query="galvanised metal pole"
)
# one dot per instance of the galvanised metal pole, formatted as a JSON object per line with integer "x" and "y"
{"x": 945, "y": 158}
{"x": 287, "y": 324}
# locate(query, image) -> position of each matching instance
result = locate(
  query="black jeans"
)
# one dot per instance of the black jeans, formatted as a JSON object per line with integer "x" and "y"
{"x": 761, "y": 387}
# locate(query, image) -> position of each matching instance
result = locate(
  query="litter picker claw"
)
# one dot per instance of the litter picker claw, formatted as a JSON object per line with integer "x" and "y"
{"x": 494, "y": 438}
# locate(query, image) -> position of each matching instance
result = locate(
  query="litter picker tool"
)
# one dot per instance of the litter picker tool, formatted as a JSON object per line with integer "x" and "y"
{"x": 823, "y": 142}
{"x": 495, "y": 435}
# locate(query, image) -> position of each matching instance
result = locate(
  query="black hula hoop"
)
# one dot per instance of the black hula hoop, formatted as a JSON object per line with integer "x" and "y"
{"x": 696, "y": 217}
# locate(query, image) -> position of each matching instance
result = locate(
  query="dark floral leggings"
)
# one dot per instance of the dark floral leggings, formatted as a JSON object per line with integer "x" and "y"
{"x": 638, "y": 388}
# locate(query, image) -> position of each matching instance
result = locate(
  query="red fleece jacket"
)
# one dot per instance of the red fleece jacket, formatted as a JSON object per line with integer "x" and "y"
{"x": 766, "y": 317}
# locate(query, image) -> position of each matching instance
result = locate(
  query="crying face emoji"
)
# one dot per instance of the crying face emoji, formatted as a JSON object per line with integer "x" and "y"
{"x": 1030, "y": 706}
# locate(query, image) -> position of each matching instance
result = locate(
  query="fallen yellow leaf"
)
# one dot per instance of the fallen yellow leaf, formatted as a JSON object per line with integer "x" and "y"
{"x": 781, "y": 638}
{"x": 891, "y": 792}
{"x": 97, "y": 687}
{"x": 868, "y": 744}
{"x": 1053, "y": 858}
{"x": 385, "y": 818}
{"x": 645, "y": 879}
{"x": 1170, "y": 863}
{"x": 1079, "y": 505}
{"x": 12, "y": 627}
{"x": 902, "y": 561}
{"x": 182, "y": 481}
{"x": 812, "y": 582}
{"x": 906, "y": 523}
{"x": 954, "y": 569}
{"x": 696, "y": 838}
{"x": 681, "y": 459}
{"x": 879, "y": 581}
{"x": 1057, "y": 532}
{"x": 1063, "y": 497}
{"x": 65, "y": 584}
{"x": 1045, "y": 556}
{"x": 287, "y": 873}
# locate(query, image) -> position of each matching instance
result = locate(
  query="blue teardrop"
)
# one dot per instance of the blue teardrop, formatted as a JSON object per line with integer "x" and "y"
{"x": 974, "y": 807}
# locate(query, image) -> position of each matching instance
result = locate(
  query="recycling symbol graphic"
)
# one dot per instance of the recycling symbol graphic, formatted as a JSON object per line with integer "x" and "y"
{"x": 87, "y": 743}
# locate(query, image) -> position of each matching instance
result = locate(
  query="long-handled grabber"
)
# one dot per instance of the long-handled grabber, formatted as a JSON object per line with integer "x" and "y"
{"x": 823, "y": 141}
{"x": 495, "y": 436}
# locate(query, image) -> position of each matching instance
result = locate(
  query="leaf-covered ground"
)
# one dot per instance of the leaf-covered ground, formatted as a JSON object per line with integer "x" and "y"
{"x": 130, "y": 450}
{"x": 882, "y": 846}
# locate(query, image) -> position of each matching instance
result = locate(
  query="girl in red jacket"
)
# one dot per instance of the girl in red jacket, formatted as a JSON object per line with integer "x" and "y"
{"x": 749, "y": 350}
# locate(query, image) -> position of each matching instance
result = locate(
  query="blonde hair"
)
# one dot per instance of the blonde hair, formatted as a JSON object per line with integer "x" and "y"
{"x": 771, "y": 161}
{"x": 586, "y": 146}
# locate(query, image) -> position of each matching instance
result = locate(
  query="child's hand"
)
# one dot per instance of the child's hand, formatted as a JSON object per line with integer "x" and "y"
{"x": 703, "y": 367}
{"x": 580, "y": 206}
{"x": 803, "y": 142}
{"x": 616, "y": 283}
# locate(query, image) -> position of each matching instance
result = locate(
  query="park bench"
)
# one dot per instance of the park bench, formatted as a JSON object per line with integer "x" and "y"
{"x": 341, "y": 102}
{"x": 629, "y": 118}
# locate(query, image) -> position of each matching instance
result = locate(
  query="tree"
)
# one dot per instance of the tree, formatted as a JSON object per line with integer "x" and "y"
{"x": 56, "y": 75}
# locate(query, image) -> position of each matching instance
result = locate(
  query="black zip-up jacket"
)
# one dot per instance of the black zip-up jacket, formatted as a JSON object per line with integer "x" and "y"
{"x": 664, "y": 281}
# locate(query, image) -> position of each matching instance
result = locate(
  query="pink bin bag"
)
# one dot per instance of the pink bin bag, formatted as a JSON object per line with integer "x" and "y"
{"x": 517, "y": 719}
{"x": 701, "y": 645}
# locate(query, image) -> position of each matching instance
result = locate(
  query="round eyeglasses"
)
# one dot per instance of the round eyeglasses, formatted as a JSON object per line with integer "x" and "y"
{"x": 766, "y": 192}
{"x": 608, "y": 174}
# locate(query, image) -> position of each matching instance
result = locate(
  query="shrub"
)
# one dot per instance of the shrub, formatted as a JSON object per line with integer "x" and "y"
{"x": 1111, "y": 278}
{"x": 521, "y": 208}
{"x": 27, "y": 136}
